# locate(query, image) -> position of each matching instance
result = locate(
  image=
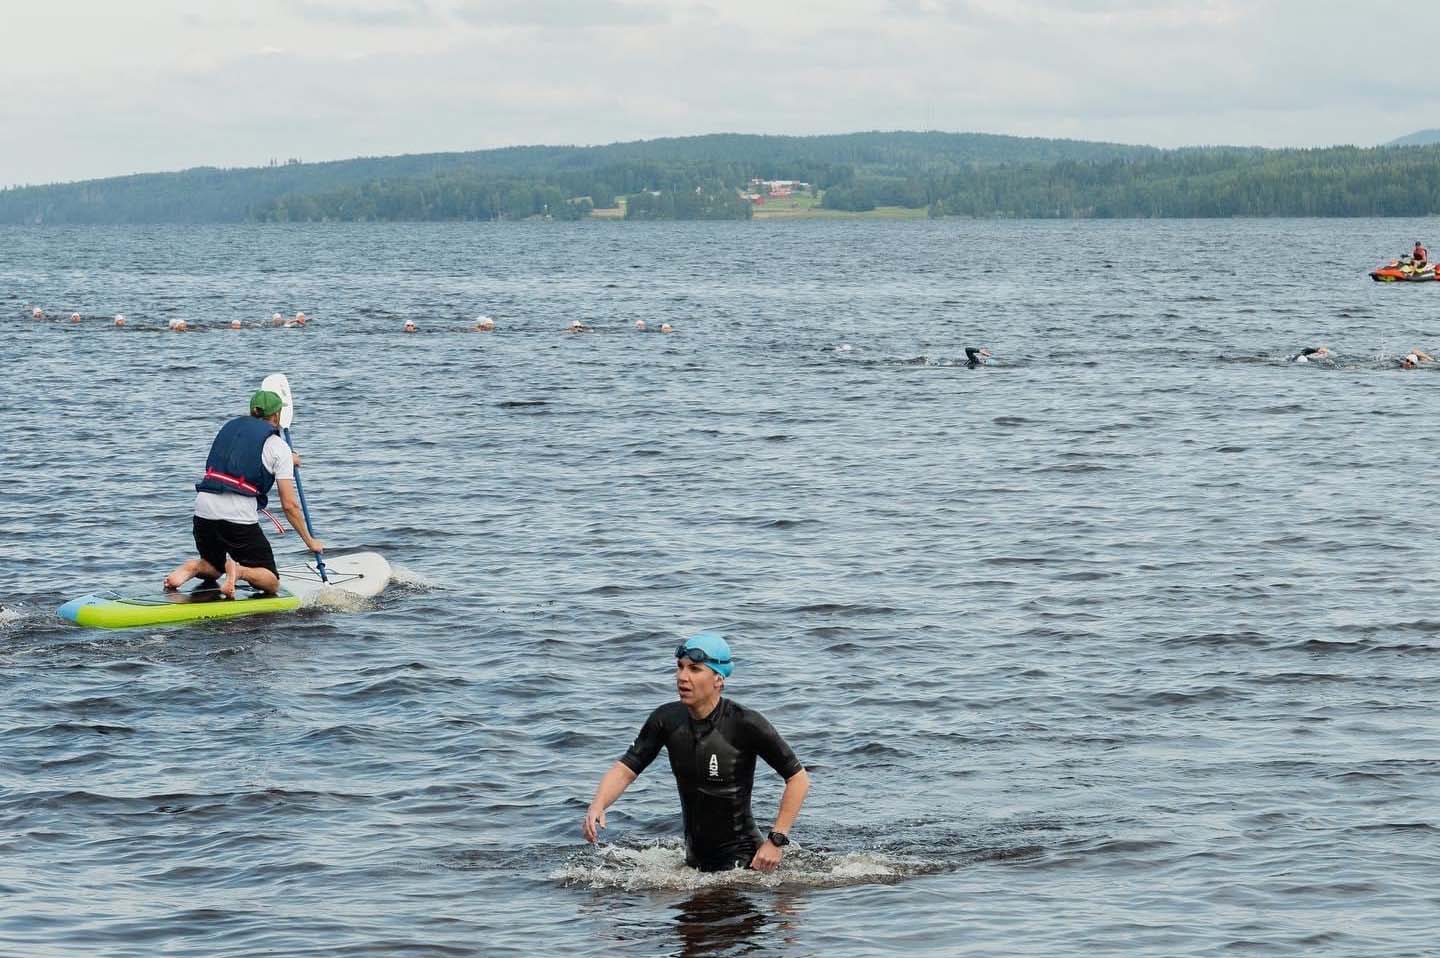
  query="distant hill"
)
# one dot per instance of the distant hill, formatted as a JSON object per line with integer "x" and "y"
{"x": 213, "y": 195}
{"x": 709, "y": 177}
{"x": 1418, "y": 138}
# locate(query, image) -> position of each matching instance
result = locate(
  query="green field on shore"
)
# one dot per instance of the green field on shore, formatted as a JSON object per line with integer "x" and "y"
{"x": 799, "y": 207}
{"x": 807, "y": 207}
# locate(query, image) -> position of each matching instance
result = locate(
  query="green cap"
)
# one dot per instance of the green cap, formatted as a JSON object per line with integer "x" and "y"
{"x": 267, "y": 402}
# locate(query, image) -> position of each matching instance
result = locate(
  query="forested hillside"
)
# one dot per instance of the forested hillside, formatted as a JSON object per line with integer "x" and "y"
{"x": 703, "y": 177}
{"x": 519, "y": 181}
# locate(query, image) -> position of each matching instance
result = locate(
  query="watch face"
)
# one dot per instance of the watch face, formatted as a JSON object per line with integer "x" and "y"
{"x": 779, "y": 839}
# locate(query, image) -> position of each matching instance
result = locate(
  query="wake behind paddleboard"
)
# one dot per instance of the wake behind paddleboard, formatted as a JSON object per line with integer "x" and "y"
{"x": 361, "y": 574}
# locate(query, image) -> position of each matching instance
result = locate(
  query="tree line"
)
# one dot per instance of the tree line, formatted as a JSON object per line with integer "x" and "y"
{"x": 702, "y": 178}
{"x": 1194, "y": 183}
{"x": 499, "y": 178}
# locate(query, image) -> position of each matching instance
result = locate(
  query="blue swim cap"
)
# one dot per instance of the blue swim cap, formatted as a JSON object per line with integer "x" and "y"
{"x": 708, "y": 649}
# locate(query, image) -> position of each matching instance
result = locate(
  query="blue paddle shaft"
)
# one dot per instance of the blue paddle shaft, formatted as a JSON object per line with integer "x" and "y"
{"x": 305, "y": 510}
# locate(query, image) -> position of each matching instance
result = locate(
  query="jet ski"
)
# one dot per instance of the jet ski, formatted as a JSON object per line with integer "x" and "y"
{"x": 1403, "y": 270}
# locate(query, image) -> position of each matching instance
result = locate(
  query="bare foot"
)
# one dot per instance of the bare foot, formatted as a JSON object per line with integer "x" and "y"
{"x": 227, "y": 585}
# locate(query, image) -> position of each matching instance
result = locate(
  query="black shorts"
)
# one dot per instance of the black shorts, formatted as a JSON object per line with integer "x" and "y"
{"x": 243, "y": 542}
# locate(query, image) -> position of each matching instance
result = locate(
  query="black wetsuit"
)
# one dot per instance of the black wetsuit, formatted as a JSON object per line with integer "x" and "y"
{"x": 714, "y": 764}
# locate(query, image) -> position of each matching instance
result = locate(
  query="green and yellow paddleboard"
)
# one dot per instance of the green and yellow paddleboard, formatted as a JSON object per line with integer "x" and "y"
{"x": 110, "y": 610}
{"x": 360, "y": 573}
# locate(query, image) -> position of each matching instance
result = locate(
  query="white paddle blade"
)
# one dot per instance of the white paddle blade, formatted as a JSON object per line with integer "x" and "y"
{"x": 280, "y": 386}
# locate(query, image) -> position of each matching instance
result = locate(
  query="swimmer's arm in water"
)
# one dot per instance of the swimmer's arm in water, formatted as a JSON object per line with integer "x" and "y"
{"x": 611, "y": 787}
{"x": 797, "y": 786}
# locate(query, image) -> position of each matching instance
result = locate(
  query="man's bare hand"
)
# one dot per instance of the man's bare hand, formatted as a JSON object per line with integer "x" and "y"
{"x": 594, "y": 821}
{"x": 767, "y": 857}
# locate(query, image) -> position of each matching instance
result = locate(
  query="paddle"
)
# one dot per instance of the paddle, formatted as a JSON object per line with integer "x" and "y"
{"x": 280, "y": 386}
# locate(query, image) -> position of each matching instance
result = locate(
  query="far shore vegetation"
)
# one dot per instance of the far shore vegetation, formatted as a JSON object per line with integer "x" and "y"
{"x": 730, "y": 176}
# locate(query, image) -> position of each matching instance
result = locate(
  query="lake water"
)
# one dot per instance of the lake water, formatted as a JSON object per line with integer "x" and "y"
{"x": 1119, "y": 645}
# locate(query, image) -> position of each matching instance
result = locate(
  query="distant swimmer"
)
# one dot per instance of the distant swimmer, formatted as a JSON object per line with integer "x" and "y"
{"x": 276, "y": 319}
{"x": 247, "y": 459}
{"x": 484, "y": 324}
{"x": 74, "y": 317}
{"x": 640, "y": 325}
{"x": 976, "y": 356}
{"x": 1312, "y": 353}
{"x": 712, "y": 743}
{"x": 1414, "y": 358}
{"x": 37, "y": 313}
{"x": 666, "y": 328}
{"x": 1419, "y": 255}
{"x": 179, "y": 326}
{"x": 578, "y": 327}
{"x": 299, "y": 320}
{"x": 236, "y": 324}
{"x": 409, "y": 327}
{"x": 119, "y": 319}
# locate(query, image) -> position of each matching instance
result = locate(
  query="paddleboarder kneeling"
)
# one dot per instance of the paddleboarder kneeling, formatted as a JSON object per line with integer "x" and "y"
{"x": 247, "y": 459}
{"x": 712, "y": 743}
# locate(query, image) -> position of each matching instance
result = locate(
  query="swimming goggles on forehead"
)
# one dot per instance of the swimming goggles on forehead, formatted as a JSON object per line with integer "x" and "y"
{"x": 698, "y": 656}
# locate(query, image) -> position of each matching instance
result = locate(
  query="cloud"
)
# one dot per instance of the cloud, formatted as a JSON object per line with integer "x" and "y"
{"x": 560, "y": 14}
{"x": 366, "y": 13}
{"x": 1119, "y": 15}
{"x": 406, "y": 76}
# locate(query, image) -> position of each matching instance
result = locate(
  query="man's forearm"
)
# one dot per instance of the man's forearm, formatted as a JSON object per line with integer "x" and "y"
{"x": 796, "y": 788}
{"x": 296, "y": 515}
{"x": 612, "y": 785}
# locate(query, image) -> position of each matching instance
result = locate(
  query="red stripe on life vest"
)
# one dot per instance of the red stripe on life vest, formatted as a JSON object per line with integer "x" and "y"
{"x": 235, "y": 481}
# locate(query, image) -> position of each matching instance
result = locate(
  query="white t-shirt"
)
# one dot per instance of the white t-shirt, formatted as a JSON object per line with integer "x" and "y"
{"x": 233, "y": 507}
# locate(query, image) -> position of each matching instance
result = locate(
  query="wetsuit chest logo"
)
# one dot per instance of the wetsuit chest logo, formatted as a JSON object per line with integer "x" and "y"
{"x": 714, "y": 766}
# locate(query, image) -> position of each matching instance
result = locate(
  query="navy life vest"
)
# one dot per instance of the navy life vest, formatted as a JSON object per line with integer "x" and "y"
{"x": 234, "y": 464}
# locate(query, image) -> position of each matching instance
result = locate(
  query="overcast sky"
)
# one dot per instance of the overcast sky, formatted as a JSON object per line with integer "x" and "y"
{"x": 104, "y": 87}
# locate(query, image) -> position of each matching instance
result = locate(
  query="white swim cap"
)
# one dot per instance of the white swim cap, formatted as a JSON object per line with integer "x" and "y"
{"x": 1412, "y": 358}
{"x": 277, "y": 318}
{"x": 37, "y": 312}
{"x": 666, "y": 328}
{"x": 235, "y": 324}
{"x": 119, "y": 319}
{"x": 74, "y": 317}
{"x": 639, "y": 324}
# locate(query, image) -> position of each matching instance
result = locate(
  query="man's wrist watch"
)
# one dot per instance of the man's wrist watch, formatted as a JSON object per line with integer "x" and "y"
{"x": 778, "y": 839}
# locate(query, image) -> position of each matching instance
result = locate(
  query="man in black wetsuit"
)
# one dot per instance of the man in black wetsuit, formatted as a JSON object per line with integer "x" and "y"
{"x": 712, "y": 743}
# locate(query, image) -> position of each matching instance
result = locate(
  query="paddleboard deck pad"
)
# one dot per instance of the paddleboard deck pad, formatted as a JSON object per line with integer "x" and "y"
{"x": 362, "y": 573}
